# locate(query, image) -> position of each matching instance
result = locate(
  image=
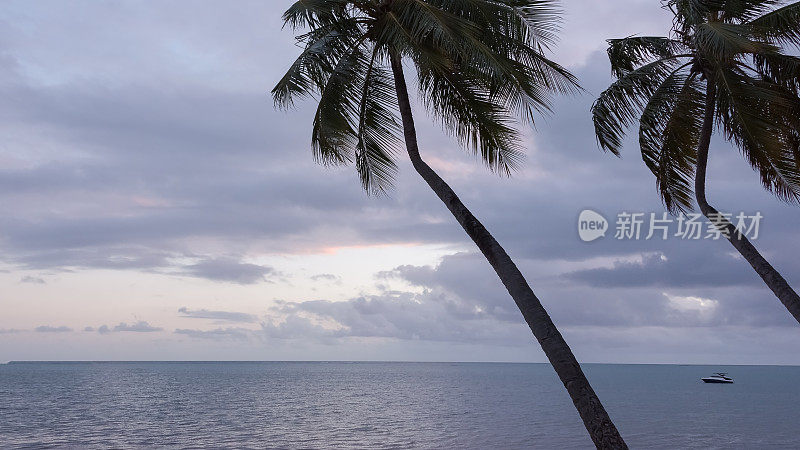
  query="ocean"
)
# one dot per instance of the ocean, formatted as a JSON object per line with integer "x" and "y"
{"x": 387, "y": 405}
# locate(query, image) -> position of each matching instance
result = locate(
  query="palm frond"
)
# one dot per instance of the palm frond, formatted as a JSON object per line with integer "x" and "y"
{"x": 753, "y": 115}
{"x": 308, "y": 74}
{"x": 480, "y": 64}
{"x": 618, "y": 107}
{"x": 783, "y": 70}
{"x": 745, "y": 10}
{"x": 493, "y": 75}
{"x": 441, "y": 28}
{"x": 690, "y": 13}
{"x": 314, "y": 13}
{"x": 628, "y": 53}
{"x": 378, "y": 130}
{"x": 533, "y": 22}
{"x": 719, "y": 41}
{"x": 669, "y": 129}
{"x": 467, "y": 112}
{"x": 518, "y": 75}
{"x": 510, "y": 57}
{"x": 781, "y": 26}
{"x": 333, "y": 134}
{"x": 734, "y": 45}
{"x": 528, "y": 89}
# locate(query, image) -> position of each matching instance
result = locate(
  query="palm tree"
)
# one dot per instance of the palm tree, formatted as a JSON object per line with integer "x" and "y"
{"x": 722, "y": 66}
{"x": 480, "y": 66}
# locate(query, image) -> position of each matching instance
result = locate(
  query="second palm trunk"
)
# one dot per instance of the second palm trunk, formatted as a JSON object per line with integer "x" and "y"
{"x": 602, "y": 430}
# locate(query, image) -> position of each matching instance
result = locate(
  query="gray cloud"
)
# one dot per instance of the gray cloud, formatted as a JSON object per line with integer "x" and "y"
{"x": 227, "y": 316}
{"x": 325, "y": 277}
{"x": 464, "y": 284}
{"x": 395, "y": 315}
{"x": 138, "y": 327}
{"x": 230, "y": 270}
{"x": 466, "y": 278}
{"x": 51, "y": 329}
{"x": 701, "y": 266}
{"x": 460, "y": 300}
{"x": 218, "y": 334}
{"x": 110, "y": 257}
{"x": 256, "y": 198}
{"x": 32, "y": 280}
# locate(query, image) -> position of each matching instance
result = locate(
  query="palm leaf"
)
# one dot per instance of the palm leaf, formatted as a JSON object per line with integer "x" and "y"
{"x": 745, "y": 10}
{"x": 618, "y": 107}
{"x": 753, "y": 115}
{"x": 309, "y": 73}
{"x": 333, "y": 136}
{"x": 668, "y": 136}
{"x": 480, "y": 66}
{"x": 314, "y": 13}
{"x": 628, "y": 53}
{"x": 468, "y": 113}
{"x": 719, "y": 41}
{"x": 782, "y": 70}
{"x": 781, "y": 26}
{"x": 378, "y": 130}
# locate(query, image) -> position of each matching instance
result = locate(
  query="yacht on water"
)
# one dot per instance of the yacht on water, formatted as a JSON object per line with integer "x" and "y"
{"x": 718, "y": 377}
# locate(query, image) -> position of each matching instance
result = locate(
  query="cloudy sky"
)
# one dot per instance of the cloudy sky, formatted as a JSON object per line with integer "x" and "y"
{"x": 153, "y": 205}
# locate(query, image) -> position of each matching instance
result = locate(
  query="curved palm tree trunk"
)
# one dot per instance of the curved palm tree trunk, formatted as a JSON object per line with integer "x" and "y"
{"x": 602, "y": 431}
{"x": 771, "y": 277}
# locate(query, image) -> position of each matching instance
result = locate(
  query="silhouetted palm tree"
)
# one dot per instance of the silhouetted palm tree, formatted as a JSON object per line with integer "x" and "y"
{"x": 722, "y": 65}
{"x": 479, "y": 65}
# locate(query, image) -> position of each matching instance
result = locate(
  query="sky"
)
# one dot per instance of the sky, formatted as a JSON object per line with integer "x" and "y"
{"x": 155, "y": 206}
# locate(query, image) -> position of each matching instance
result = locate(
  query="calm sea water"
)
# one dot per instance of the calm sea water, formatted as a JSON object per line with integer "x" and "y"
{"x": 387, "y": 405}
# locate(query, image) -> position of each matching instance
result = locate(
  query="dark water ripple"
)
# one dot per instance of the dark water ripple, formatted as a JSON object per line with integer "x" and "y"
{"x": 385, "y": 406}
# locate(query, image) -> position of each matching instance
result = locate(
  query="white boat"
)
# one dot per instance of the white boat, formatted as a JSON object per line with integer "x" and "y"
{"x": 718, "y": 377}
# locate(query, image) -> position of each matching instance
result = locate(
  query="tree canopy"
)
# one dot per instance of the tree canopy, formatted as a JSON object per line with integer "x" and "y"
{"x": 739, "y": 49}
{"x": 480, "y": 70}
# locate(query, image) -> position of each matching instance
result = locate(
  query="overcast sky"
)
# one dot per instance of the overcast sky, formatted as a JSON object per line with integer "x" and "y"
{"x": 153, "y": 206}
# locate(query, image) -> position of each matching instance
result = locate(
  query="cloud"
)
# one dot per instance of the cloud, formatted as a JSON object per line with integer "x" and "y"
{"x": 138, "y": 327}
{"x": 701, "y": 265}
{"x": 432, "y": 316}
{"x": 32, "y": 280}
{"x": 230, "y": 270}
{"x": 62, "y": 256}
{"x": 701, "y": 307}
{"x": 151, "y": 208}
{"x": 217, "y": 334}
{"x": 50, "y": 329}
{"x": 228, "y": 316}
{"x": 325, "y": 277}
{"x": 465, "y": 285}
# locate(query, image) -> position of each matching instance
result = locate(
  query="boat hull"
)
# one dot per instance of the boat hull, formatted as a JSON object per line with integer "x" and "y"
{"x": 716, "y": 380}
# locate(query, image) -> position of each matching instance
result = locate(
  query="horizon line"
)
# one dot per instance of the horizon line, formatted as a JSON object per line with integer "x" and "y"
{"x": 87, "y": 361}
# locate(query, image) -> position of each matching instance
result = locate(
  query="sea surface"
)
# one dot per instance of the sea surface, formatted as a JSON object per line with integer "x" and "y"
{"x": 387, "y": 405}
